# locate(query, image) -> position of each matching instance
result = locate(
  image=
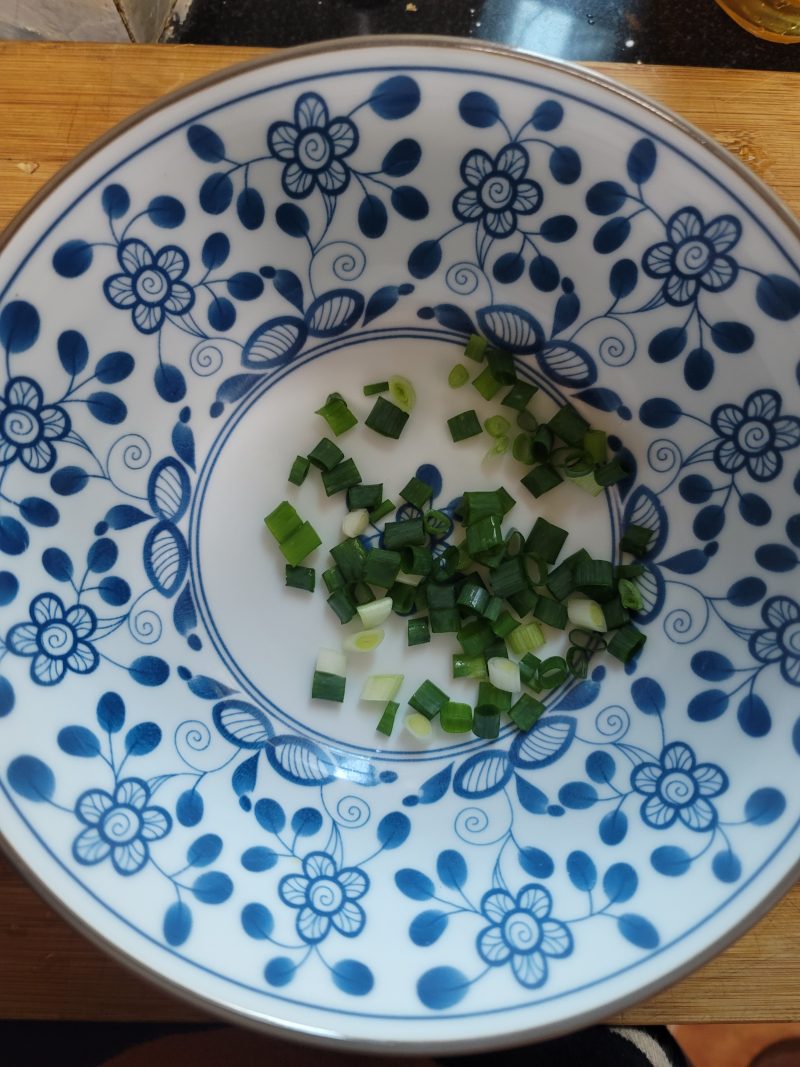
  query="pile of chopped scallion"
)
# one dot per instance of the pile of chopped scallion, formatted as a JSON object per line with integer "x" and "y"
{"x": 493, "y": 586}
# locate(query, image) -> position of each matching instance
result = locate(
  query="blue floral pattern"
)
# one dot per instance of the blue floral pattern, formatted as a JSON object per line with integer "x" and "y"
{"x": 598, "y": 276}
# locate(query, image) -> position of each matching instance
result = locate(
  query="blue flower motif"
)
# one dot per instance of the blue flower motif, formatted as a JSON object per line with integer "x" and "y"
{"x": 694, "y": 256}
{"x": 780, "y": 642}
{"x": 313, "y": 147}
{"x": 496, "y": 190}
{"x": 150, "y": 285}
{"x": 57, "y": 639}
{"x": 326, "y": 896}
{"x": 119, "y": 826}
{"x": 754, "y": 436}
{"x": 522, "y": 933}
{"x": 28, "y": 427}
{"x": 677, "y": 787}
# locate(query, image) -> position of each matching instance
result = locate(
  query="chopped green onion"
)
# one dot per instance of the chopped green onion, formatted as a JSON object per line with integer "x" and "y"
{"x": 526, "y": 638}
{"x": 635, "y": 539}
{"x": 476, "y": 347}
{"x": 542, "y": 443}
{"x": 610, "y": 473}
{"x": 573, "y": 462}
{"x": 587, "y": 614}
{"x": 588, "y": 483}
{"x": 529, "y": 669}
{"x": 428, "y": 699}
{"x": 503, "y": 674}
{"x": 375, "y": 613}
{"x": 490, "y": 695}
{"x": 522, "y": 449}
{"x": 509, "y": 578}
{"x": 386, "y": 418}
{"x": 402, "y": 393}
{"x": 501, "y": 364}
{"x": 445, "y": 620}
{"x": 342, "y": 605}
{"x": 402, "y": 533}
{"x": 629, "y": 595}
{"x": 419, "y": 631}
{"x": 375, "y": 388}
{"x": 386, "y": 721}
{"x": 486, "y": 384}
{"x": 519, "y": 395}
{"x": 350, "y": 557}
{"x": 536, "y": 569}
{"x": 515, "y": 543}
{"x": 474, "y": 637}
{"x": 486, "y": 722}
{"x": 480, "y": 505}
{"x": 436, "y": 523}
{"x": 577, "y": 659}
{"x": 526, "y": 711}
{"x": 331, "y": 661}
{"x": 300, "y": 544}
{"x": 552, "y": 673}
{"x": 523, "y": 603}
{"x": 381, "y": 687}
{"x": 594, "y": 577}
{"x": 364, "y": 640}
{"x": 626, "y": 642}
{"x": 526, "y": 421}
{"x": 418, "y": 726}
{"x": 333, "y": 579}
{"x": 361, "y": 593}
{"x": 540, "y": 480}
{"x": 416, "y": 492}
{"x": 325, "y": 455}
{"x": 483, "y": 535}
{"x": 594, "y": 445}
{"x": 341, "y": 477}
{"x": 614, "y": 614}
{"x": 364, "y": 496}
{"x": 569, "y": 425}
{"x": 561, "y": 581}
{"x": 299, "y": 470}
{"x": 497, "y": 426}
{"x": 283, "y": 521}
{"x": 402, "y": 597}
{"x": 498, "y": 448}
{"x": 465, "y": 425}
{"x": 337, "y": 414}
{"x": 456, "y": 718}
{"x": 381, "y": 511}
{"x": 458, "y": 376}
{"x": 473, "y": 597}
{"x": 300, "y": 578}
{"x": 629, "y": 570}
{"x": 469, "y": 666}
{"x": 416, "y": 559}
{"x": 505, "y": 624}
{"x": 493, "y": 609}
{"x": 381, "y": 567}
{"x": 445, "y": 564}
{"x": 325, "y": 686}
{"x": 355, "y": 522}
{"x": 546, "y": 540}
{"x": 551, "y": 612}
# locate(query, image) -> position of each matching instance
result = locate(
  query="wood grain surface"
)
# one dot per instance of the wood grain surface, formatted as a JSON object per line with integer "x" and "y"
{"x": 54, "y": 100}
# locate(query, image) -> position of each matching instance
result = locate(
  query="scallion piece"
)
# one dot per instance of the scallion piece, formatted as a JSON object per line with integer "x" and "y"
{"x": 381, "y": 567}
{"x": 444, "y": 620}
{"x": 474, "y": 637}
{"x": 469, "y": 666}
{"x": 519, "y": 395}
{"x": 577, "y": 660}
{"x": 283, "y": 521}
{"x": 594, "y": 577}
{"x": 484, "y": 535}
{"x": 497, "y": 426}
{"x": 402, "y": 533}
{"x": 418, "y": 726}
{"x": 524, "y": 602}
{"x": 527, "y": 421}
{"x": 326, "y": 686}
{"x": 350, "y": 557}
{"x": 341, "y": 477}
{"x": 610, "y": 473}
{"x": 375, "y": 388}
{"x": 342, "y": 604}
{"x": 540, "y": 480}
{"x": 455, "y": 717}
{"x": 551, "y": 612}
{"x": 595, "y": 445}
{"x": 486, "y": 384}
{"x": 504, "y": 674}
{"x": 614, "y": 614}
{"x": 361, "y": 593}
{"x": 333, "y": 579}
{"x": 416, "y": 492}
{"x": 588, "y": 483}
{"x": 364, "y": 496}
{"x": 629, "y": 570}
{"x": 587, "y": 614}
{"x": 546, "y": 540}
{"x": 504, "y": 624}
{"x": 522, "y": 449}
{"x": 552, "y": 673}
{"x": 428, "y": 699}
{"x": 501, "y": 364}
{"x": 386, "y": 721}
{"x": 569, "y": 425}
{"x": 458, "y": 376}
{"x": 386, "y": 418}
{"x": 337, "y": 414}
{"x": 381, "y": 687}
{"x": 442, "y": 596}
{"x": 419, "y": 631}
{"x": 626, "y": 642}
{"x": 489, "y": 695}
{"x": 561, "y": 581}
{"x": 325, "y": 455}
{"x": 300, "y": 544}
{"x": 402, "y": 598}
{"x": 635, "y": 539}
{"x": 355, "y": 522}
{"x": 525, "y": 712}
{"x": 375, "y": 613}
{"x": 476, "y": 348}
{"x": 542, "y": 443}
{"x": 473, "y": 598}
{"x": 479, "y": 505}
{"x": 509, "y": 578}
{"x": 629, "y": 595}
{"x": 299, "y": 470}
{"x": 300, "y": 578}
{"x": 499, "y": 447}
{"x": 536, "y": 569}
{"x": 416, "y": 559}
{"x": 364, "y": 640}
{"x": 331, "y": 661}
{"x": 465, "y": 425}
{"x": 436, "y": 523}
{"x": 381, "y": 511}
{"x": 486, "y": 722}
{"x": 529, "y": 670}
{"x": 446, "y": 564}
{"x": 526, "y": 637}
{"x": 402, "y": 393}
{"x": 515, "y": 543}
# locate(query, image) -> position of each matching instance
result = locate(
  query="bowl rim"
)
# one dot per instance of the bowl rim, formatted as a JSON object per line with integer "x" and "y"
{"x": 308, "y": 1034}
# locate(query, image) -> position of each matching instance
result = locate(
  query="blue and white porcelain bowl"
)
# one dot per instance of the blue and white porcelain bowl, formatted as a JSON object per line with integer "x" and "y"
{"x": 172, "y": 310}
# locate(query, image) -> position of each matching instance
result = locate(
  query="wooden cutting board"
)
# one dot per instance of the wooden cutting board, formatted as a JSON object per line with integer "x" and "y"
{"x": 57, "y": 98}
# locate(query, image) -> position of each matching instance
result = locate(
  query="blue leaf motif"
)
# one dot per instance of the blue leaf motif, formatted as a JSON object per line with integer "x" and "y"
{"x": 776, "y": 558}
{"x": 205, "y": 143}
{"x": 250, "y": 208}
{"x": 183, "y": 443}
{"x": 695, "y": 488}
{"x": 753, "y": 716}
{"x": 221, "y": 313}
{"x": 601, "y": 398}
{"x": 545, "y": 744}
{"x": 244, "y": 776}
{"x": 530, "y": 797}
{"x": 434, "y": 788}
{"x": 334, "y": 312}
{"x": 165, "y": 557}
{"x": 216, "y": 193}
{"x": 482, "y": 775}
{"x": 142, "y": 738}
{"x": 764, "y": 806}
{"x": 547, "y": 116}
{"x": 414, "y": 884}
{"x": 671, "y": 861}
{"x": 78, "y": 741}
{"x": 169, "y": 382}
{"x": 778, "y": 297}
{"x": 733, "y": 337}
{"x": 479, "y": 110}
{"x": 115, "y": 200}
{"x": 257, "y": 921}
{"x": 600, "y": 766}
{"x": 372, "y": 217}
{"x": 638, "y": 930}
{"x": 511, "y": 328}
{"x": 613, "y": 827}
{"x": 668, "y": 344}
{"x": 235, "y": 387}
{"x": 69, "y": 480}
{"x": 381, "y": 301}
{"x": 708, "y": 705}
{"x": 623, "y": 278}
{"x": 31, "y": 778}
{"x": 245, "y": 285}
{"x": 641, "y": 161}
{"x": 712, "y": 666}
{"x": 508, "y": 267}
{"x": 698, "y": 370}
{"x": 102, "y": 555}
{"x": 544, "y": 273}
{"x": 393, "y": 830}
{"x": 409, "y": 202}
{"x": 215, "y": 251}
{"x": 692, "y": 561}
{"x": 604, "y": 198}
{"x": 166, "y": 212}
{"x": 580, "y": 696}
{"x": 177, "y": 924}
{"x": 274, "y": 343}
{"x": 111, "y": 712}
{"x": 184, "y": 615}
{"x": 73, "y": 351}
{"x": 306, "y": 822}
{"x": 204, "y": 850}
{"x": 453, "y": 318}
{"x": 612, "y": 235}
{"x": 9, "y": 587}
{"x": 568, "y": 307}
{"x": 189, "y": 808}
{"x": 754, "y": 509}
{"x": 149, "y": 670}
{"x": 536, "y": 862}
{"x": 213, "y": 887}
{"x": 559, "y": 228}
{"x": 292, "y": 220}
{"x": 123, "y": 516}
{"x": 648, "y": 696}
{"x": 577, "y": 795}
{"x": 14, "y": 537}
{"x": 270, "y": 815}
{"x": 352, "y": 977}
{"x": 300, "y": 761}
{"x": 620, "y": 882}
{"x": 114, "y": 367}
{"x": 451, "y": 868}
{"x": 708, "y": 522}
{"x": 208, "y": 688}
{"x": 243, "y": 724}
{"x": 395, "y": 98}
{"x": 401, "y": 158}
{"x": 442, "y": 987}
{"x": 57, "y": 564}
{"x": 565, "y": 165}
{"x": 290, "y": 287}
{"x": 727, "y": 866}
{"x": 107, "y": 408}
{"x": 746, "y": 592}
{"x": 259, "y": 858}
{"x": 280, "y": 971}
{"x": 582, "y": 871}
{"x": 169, "y": 489}
{"x": 567, "y": 364}
{"x": 425, "y": 259}
{"x": 660, "y": 412}
{"x": 428, "y": 927}
{"x": 71, "y": 259}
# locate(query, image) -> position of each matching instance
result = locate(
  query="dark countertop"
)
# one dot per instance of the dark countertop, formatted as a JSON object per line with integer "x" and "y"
{"x": 684, "y": 32}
